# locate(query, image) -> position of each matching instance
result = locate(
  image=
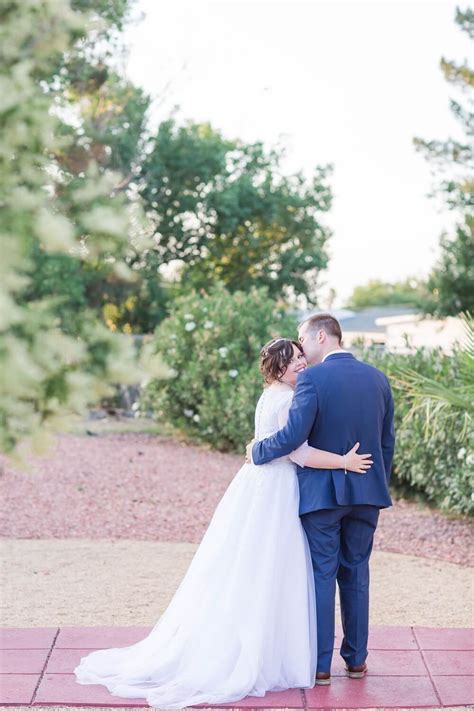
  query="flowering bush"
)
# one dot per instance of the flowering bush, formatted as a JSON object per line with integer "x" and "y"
{"x": 212, "y": 343}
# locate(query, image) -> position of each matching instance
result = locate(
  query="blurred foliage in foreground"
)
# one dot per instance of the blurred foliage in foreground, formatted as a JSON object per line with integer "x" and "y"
{"x": 49, "y": 368}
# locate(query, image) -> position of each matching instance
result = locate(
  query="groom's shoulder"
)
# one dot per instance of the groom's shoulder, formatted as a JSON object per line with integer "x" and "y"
{"x": 324, "y": 371}
{"x": 308, "y": 378}
{"x": 314, "y": 375}
{"x": 373, "y": 371}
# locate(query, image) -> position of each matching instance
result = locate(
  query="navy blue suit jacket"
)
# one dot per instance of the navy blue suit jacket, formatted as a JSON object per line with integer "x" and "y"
{"x": 337, "y": 403}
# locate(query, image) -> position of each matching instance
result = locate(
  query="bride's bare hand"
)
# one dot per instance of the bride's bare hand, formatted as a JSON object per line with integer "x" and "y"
{"x": 358, "y": 463}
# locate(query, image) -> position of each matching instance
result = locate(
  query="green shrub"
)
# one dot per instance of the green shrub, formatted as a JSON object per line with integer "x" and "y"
{"x": 212, "y": 342}
{"x": 434, "y": 457}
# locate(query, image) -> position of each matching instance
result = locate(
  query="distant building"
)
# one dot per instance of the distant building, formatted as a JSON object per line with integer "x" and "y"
{"x": 398, "y": 329}
{"x": 406, "y": 333}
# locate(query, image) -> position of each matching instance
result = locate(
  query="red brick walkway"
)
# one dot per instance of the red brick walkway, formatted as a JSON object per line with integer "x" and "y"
{"x": 409, "y": 667}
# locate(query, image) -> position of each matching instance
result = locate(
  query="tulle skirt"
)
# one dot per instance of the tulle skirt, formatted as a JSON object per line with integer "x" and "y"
{"x": 243, "y": 620}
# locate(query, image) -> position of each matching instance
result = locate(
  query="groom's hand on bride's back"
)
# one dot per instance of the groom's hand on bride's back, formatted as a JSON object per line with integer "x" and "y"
{"x": 248, "y": 451}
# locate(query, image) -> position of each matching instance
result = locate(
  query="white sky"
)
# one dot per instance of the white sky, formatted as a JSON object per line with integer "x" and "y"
{"x": 348, "y": 83}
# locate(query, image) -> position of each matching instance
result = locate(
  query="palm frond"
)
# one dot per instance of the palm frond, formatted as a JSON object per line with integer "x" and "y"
{"x": 442, "y": 404}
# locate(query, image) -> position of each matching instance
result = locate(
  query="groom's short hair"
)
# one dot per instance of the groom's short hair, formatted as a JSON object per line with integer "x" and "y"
{"x": 326, "y": 322}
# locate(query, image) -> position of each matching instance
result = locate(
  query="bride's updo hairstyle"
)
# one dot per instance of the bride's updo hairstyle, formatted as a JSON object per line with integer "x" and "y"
{"x": 275, "y": 357}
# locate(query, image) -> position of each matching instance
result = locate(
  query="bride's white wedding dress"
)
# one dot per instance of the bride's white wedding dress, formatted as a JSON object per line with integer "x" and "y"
{"x": 243, "y": 620}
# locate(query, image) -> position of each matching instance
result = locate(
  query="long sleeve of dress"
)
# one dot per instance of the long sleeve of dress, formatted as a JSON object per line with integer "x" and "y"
{"x": 298, "y": 455}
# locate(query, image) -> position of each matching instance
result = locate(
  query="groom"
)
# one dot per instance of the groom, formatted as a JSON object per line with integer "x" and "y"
{"x": 340, "y": 401}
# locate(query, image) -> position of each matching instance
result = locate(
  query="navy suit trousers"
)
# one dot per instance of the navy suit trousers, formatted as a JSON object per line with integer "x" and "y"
{"x": 340, "y": 541}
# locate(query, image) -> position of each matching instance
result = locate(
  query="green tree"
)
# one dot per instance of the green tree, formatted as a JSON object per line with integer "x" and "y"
{"x": 45, "y": 371}
{"x": 381, "y": 293}
{"x": 223, "y": 210}
{"x": 451, "y": 282}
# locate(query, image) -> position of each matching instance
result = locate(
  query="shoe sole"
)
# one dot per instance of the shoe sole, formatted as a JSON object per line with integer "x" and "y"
{"x": 323, "y": 682}
{"x": 356, "y": 675}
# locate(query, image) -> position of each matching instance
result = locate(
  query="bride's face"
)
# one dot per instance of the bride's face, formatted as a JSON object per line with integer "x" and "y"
{"x": 295, "y": 366}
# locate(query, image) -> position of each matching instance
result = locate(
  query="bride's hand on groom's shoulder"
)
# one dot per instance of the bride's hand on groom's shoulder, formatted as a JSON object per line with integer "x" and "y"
{"x": 248, "y": 452}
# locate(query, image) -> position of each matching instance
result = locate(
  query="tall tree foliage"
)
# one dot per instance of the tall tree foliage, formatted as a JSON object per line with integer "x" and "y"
{"x": 451, "y": 283}
{"x": 224, "y": 211}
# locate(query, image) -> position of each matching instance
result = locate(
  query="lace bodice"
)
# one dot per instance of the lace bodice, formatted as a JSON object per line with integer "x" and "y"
{"x": 271, "y": 415}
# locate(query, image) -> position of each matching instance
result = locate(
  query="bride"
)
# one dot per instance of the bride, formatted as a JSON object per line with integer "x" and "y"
{"x": 243, "y": 620}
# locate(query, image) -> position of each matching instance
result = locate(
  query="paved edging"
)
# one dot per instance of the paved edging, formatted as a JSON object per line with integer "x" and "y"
{"x": 408, "y": 667}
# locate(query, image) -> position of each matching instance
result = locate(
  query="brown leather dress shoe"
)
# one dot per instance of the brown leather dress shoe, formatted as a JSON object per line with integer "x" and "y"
{"x": 356, "y": 672}
{"x": 323, "y": 678}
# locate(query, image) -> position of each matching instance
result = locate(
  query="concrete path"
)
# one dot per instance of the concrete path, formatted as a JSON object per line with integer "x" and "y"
{"x": 133, "y": 582}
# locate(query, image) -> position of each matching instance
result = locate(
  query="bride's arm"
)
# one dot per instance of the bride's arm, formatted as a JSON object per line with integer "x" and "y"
{"x": 351, "y": 461}
{"x": 306, "y": 456}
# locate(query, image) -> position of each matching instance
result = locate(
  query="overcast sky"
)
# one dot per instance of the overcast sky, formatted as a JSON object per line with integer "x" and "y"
{"x": 346, "y": 83}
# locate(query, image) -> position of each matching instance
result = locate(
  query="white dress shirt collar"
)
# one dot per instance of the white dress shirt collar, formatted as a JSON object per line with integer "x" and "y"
{"x": 339, "y": 350}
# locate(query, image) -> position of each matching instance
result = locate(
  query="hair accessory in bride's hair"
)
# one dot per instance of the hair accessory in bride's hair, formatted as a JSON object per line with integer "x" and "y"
{"x": 272, "y": 343}
{"x": 277, "y": 340}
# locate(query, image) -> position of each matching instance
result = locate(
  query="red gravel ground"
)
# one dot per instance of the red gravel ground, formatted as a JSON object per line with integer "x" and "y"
{"x": 145, "y": 487}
